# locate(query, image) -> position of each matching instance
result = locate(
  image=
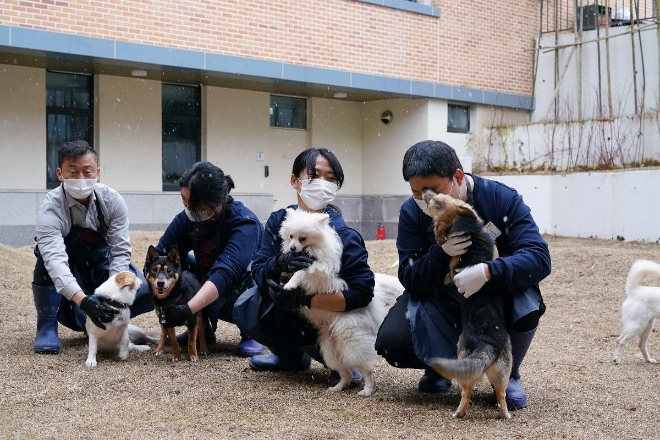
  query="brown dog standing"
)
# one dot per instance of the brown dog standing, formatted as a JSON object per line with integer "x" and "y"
{"x": 171, "y": 286}
{"x": 484, "y": 346}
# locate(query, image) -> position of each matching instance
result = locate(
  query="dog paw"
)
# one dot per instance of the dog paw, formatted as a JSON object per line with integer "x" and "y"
{"x": 91, "y": 363}
{"x": 203, "y": 353}
{"x": 176, "y": 358}
{"x": 158, "y": 352}
{"x": 652, "y": 361}
{"x": 617, "y": 360}
{"x": 365, "y": 392}
{"x": 335, "y": 389}
{"x": 194, "y": 358}
{"x": 458, "y": 415}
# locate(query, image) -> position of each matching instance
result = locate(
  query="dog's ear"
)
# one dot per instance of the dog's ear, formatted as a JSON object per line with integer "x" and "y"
{"x": 323, "y": 219}
{"x": 466, "y": 211}
{"x": 125, "y": 279}
{"x": 174, "y": 256}
{"x": 151, "y": 254}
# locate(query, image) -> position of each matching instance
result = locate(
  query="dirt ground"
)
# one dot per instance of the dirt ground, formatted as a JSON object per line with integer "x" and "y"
{"x": 574, "y": 388}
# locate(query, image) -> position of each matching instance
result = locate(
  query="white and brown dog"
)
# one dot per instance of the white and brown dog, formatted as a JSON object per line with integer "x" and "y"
{"x": 640, "y": 309}
{"x": 120, "y": 289}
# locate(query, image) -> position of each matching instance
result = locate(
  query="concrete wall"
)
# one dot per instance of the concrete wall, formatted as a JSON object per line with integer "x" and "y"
{"x": 22, "y": 127}
{"x": 599, "y": 205}
{"x": 336, "y": 125}
{"x": 128, "y": 132}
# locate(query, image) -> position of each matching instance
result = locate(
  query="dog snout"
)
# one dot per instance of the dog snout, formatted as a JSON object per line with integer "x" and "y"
{"x": 160, "y": 284}
{"x": 293, "y": 247}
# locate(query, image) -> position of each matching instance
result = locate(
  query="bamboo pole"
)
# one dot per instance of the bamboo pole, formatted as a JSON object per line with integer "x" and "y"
{"x": 607, "y": 62}
{"x": 577, "y": 33}
{"x": 634, "y": 63}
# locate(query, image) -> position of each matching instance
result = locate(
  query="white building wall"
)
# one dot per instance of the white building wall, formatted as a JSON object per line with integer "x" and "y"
{"x": 128, "y": 132}
{"x": 22, "y": 127}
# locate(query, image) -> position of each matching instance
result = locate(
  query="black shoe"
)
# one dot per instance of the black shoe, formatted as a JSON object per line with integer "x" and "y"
{"x": 432, "y": 382}
{"x": 356, "y": 379}
{"x": 283, "y": 362}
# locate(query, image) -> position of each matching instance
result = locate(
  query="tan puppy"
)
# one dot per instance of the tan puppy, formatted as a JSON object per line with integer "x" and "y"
{"x": 120, "y": 289}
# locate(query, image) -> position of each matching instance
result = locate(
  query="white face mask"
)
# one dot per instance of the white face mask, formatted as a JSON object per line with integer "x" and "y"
{"x": 79, "y": 188}
{"x": 198, "y": 216}
{"x": 317, "y": 193}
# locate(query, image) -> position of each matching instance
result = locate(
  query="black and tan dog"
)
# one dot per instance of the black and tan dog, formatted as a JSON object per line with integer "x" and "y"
{"x": 170, "y": 286}
{"x": 484, "y": 346}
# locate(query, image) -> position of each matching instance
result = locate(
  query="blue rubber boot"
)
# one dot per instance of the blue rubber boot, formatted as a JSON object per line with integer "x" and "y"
{"x": 516, "y": 398}
{"x": 432, "y": 382}
{"x": 248, "y": 347}
{"x": 281, "y": 360}
{"x": 47, "y": 302}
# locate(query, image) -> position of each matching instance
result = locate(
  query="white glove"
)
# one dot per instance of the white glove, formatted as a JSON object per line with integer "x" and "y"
{"x": 457, "y": 244}
{"x": 469, "y": 280}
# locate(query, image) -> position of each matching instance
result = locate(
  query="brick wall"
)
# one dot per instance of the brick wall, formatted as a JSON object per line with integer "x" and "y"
{"x": 478, "y": 44}
{"x": 486, "y": 44}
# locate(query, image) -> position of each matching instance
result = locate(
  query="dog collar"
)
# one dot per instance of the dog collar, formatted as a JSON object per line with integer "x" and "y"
{"x": 113, "y": 303}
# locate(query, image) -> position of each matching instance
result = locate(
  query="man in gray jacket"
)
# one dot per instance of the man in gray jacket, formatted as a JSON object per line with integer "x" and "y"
{"x": 82, "y": 239}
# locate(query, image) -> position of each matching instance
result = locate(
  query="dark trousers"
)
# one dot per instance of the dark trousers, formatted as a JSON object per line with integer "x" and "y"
{"x": 395, "y": 344}
{"x": 90, "y": 271}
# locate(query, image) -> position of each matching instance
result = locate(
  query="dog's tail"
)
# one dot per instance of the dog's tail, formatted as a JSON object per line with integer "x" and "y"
{"x": 388, "y": 288}
{"x": 469, "y": 367}
{"x": 138, "y": 335}
{"x": 639, "y": 269}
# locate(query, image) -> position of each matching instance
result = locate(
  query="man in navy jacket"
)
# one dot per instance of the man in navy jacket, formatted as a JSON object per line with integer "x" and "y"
{"x": 426, "y": 320}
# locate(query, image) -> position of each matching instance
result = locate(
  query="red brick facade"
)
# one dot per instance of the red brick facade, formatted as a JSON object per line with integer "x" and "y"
{"x": 476, "y": 44}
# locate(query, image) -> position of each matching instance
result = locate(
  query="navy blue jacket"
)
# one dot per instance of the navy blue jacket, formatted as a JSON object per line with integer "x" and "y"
{"x": 224, "y": 251}
{"x": 354, "y": 268}
{"x": 524, "y": 256}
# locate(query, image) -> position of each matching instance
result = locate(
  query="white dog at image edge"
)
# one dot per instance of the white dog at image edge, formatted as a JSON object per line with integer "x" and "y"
{"x": 121, "y": 289}
{"x": 640, "y": 309}
{"x": 347, "y": 339}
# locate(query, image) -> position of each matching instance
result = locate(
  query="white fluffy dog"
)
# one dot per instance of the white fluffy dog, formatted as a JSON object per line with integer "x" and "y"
{"x": 120, "y": 289}
{"x": 640, "y": 309}
{"x": 347, "y": 339}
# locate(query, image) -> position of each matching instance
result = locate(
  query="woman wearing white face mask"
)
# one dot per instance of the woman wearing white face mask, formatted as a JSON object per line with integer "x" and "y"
{"x": 82, "y": 239}
{"x": 224, "y": 236}
{"x": 315, "y": 178}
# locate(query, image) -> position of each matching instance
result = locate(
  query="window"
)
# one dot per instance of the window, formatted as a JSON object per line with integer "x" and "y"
{"x": 69, "y": 105}
{"x": 288, "y": 112}
{"x": 458, "y": 119}
{"x": 181, "y": 132}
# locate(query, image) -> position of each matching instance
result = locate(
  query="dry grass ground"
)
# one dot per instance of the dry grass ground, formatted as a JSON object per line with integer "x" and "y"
{"x": 575, "y": 390}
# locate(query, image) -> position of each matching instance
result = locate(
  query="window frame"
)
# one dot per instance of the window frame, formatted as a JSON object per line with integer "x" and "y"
{"x": 304, "y": 98}
{"x": 457, "y": 106}
{"x": 181, "y": 119}
{"x": 54, "y": 110}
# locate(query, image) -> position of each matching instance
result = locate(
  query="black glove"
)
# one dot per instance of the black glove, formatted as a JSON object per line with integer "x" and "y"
{"x": 96, "y": 311}
{"x": 175, "y": 315}
{"x": 293, "y": 261}
{"x": 288, "y": 299}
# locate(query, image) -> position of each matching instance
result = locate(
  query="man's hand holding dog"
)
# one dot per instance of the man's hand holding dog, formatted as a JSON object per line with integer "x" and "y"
{"x": 96, "y": 311}
{"x": 293, "y": 261}
{"x": 176, "y": 315}
{"x": 288, "y": 299}
{"x": 469, "y": 280}
{"x": 457, "y": 244}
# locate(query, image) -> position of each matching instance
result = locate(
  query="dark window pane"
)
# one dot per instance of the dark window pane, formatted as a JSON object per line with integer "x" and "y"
{"x": 458, "y": 119}
{"x": 180, "y": 100}
{"x": 181, "y": 132}
{"x": 68, "y": 115}
{"x": 288, "y": 112}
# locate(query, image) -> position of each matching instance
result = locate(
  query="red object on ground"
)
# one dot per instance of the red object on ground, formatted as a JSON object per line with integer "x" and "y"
{"x": 380, "y": 234}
